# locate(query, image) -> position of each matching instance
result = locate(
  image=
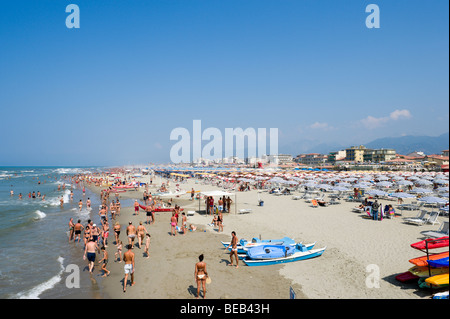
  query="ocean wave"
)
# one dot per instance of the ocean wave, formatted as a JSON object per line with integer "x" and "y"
{"x": 35, "y": 292}
{"x": 40, "y": 215}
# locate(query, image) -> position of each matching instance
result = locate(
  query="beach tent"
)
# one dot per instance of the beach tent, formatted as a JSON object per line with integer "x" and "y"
{"x": 217, "y": 193}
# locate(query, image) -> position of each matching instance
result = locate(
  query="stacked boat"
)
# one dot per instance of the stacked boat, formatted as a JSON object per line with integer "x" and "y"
{"x": 431, "y": 269}
{"x": 259, "y": 252}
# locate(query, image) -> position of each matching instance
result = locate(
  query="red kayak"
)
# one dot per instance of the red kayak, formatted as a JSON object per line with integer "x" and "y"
{"x": 161, "y": 209}
{"x": 406, "y": 277}
{"x": 432, "y": 243}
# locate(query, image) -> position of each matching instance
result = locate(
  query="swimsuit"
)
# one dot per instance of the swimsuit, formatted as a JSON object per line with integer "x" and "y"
{"x": 128, "y": 268}
{"x": 91, "y": 257}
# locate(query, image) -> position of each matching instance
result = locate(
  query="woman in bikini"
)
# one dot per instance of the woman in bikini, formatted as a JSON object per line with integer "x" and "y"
{"x": 117, "y": 231}
{"x": 173, "y": 225}
{"x": 200, "y": 275}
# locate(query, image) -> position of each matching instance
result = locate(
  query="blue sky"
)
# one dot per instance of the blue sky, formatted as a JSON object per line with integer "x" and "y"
{"x": 110, "y": 92}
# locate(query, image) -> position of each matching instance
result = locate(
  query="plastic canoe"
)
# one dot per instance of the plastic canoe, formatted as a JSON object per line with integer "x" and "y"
{"x": 406, "y": 277}
{"x": 425, "y": 271}
{"x": 422, "y": 261}
{"x": 438, "y": 280}
{"x": 443, "y": 262}
{"x": 432, "y": 243}
{"x": 296, "y": 256}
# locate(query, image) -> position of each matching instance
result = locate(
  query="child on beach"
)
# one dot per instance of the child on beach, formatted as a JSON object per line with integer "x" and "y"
{"x": 119, "y": 251}
{"x": 105, "y": 262}
{"x": 147, "y": 245}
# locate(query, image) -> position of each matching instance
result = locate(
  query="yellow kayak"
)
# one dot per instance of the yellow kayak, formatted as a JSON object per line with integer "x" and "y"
{"x": 422, "y": 271}
{"x": 438, "y": 280}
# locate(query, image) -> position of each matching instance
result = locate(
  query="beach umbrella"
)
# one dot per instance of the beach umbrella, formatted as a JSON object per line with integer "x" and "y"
{"x": 383, "y": 184}
{"x": 433, "y": 200}
{"x": 402, "y": 195}
{"x": 376, "y": 192}
{"x": 340, "y": 188}
{"x": 440, "y": 181}
{"x": 421, "y": 191}
{"x": 423, "y": 182}
{"x": 404, "y": 182}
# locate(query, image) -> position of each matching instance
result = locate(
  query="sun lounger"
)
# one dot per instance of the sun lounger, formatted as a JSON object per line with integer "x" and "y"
{"x": 420, "y": 219}
{"x": 433, "y": 219}
{"x": 314, "y": 203}
{"x": 441, "y": 232}
{"x": 245, "y": 211}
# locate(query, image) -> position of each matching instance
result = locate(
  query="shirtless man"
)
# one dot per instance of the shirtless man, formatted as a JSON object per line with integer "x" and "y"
{"x": 89, "y": 253}
{"x": 233, "y": 252}
{"x": 141, "y": 231}
{"x": 149, "y": 212}
{"x": 136, "y": 207}
{"x": 131, "y": 233}
{"x": 80, "y": 204}
{"x": 103, "y": 214}
{"x": 128, "y": 258}
{"x": 77, "y": 229}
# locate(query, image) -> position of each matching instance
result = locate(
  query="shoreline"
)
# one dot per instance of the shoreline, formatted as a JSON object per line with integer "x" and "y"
{"x": 353, "y": 244}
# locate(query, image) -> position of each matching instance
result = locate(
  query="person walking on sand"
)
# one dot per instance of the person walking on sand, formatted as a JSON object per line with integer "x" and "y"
{"x": 131, "y": 233}
{"x": 89, "y": 253}
{"x": 233, "y": 252}
{"x": 136, "y": 207}
{"x": 128, "y": 258}
{"x": 105, "y": 262}
{"x": 200, "y": 275}
{"x": 141, "y": 231}
{"x": 147, "y": 245}
{"x": 183, "y": 223}
{"x": 173, "y": 225}
{"x": 117, "y": 231}
{"x": 119, "y": 251}
{"x": 220, "y": 221}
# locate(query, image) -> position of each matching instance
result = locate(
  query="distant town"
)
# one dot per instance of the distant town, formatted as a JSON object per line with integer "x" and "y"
{"x": 353, "y": 158}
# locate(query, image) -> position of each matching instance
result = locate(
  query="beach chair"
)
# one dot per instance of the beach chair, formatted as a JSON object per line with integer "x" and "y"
{"x": 368, "y": 211}
{"x": 333, "y": 201}
{"x": 314, "y": 203}
{"x": 420, "y": 219}
{"x": 441, "y": 232}
{"x": 433, "y": 219}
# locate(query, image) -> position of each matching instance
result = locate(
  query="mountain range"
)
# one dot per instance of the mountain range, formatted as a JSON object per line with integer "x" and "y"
{"x": 403, "y": 145}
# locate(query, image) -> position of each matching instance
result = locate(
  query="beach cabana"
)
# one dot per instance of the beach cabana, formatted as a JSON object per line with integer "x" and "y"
{"x": 217, "y": 193}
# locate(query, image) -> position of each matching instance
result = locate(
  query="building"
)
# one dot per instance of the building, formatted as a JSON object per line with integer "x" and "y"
{"x": 312, "y": 159}
{"x": 355, "y": 154}
{"x": 333, "y": 157}
{"x": 379, "y": 155}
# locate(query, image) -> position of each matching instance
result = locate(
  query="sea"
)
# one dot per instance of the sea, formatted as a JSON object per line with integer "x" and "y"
{"x": 36, "y": 259}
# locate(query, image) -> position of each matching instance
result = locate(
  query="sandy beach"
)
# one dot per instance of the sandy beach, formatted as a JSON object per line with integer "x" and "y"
{"x": 354, "y": 247}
